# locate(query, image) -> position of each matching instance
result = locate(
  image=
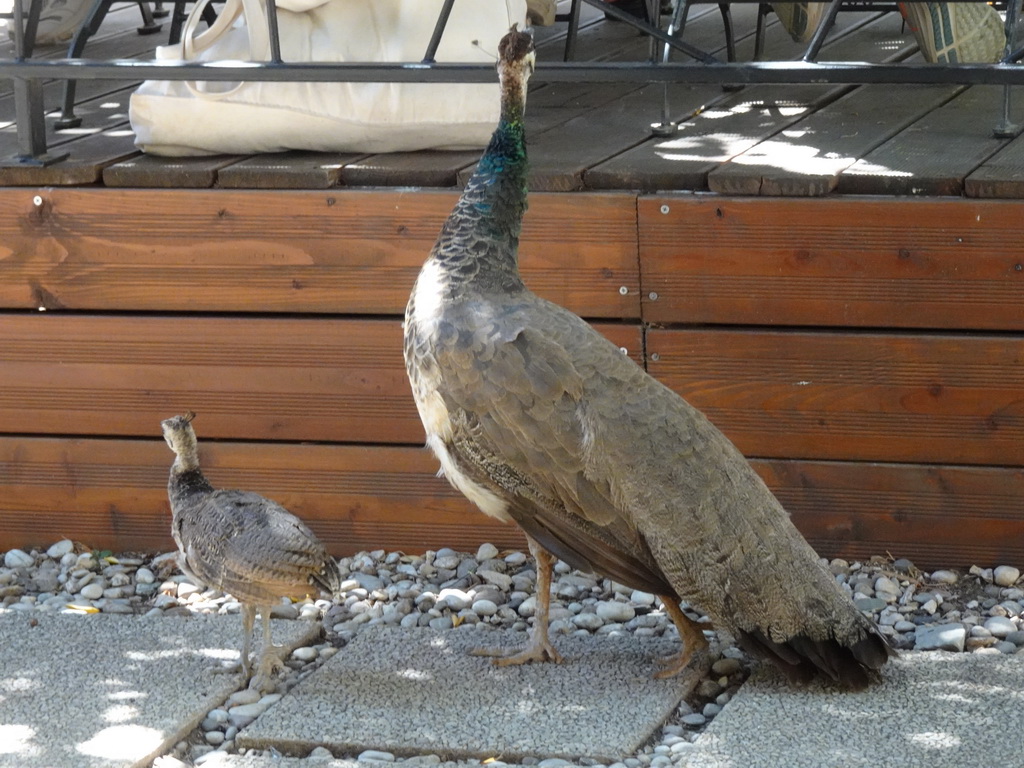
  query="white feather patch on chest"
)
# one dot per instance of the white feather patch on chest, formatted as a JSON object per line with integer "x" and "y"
{"x": 488, "y": 502}
{"x": 427, "y": 304}
{"x": 428, "y": 296}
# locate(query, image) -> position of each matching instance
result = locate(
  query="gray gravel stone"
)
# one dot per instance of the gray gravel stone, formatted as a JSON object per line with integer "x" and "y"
{"x": 484, "y": 608}
{"x": 869, "y": 604}
{"x": 726, "y": 667}
{"x": 367, "y": 581}
{"x": 500, "y": 580}
{"x": 944, "y": 577}
{"x": 944, "y": 637}
{"x": 1000, "y": 626}
{"x": 1016, "y": 637}
{"x": 694, "y": 720}
{"x": 515, "y": 558}
{"x": 93, "y": 591}
{"x": 589, "y": 621}
{"x": 486, "y": 552}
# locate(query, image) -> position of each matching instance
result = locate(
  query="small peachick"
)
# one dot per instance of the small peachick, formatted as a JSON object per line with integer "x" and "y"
{"x": 243, "y": 544}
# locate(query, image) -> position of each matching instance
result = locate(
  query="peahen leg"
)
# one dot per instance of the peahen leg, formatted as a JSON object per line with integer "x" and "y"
{"x": 270, "y": 662}
{"x": 539, "y": 647}
{"x": 690, "y": 635}
{"x": 248, "y": 619}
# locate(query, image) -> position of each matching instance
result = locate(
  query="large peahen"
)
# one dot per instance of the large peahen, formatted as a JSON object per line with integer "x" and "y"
{"x": 539, "y": 420}
{"x": 242, "y": 543}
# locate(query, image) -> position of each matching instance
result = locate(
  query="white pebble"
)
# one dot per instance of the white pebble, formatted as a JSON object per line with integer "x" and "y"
{"x": 455, "y": 598}
{"x": 16, "y": 558}
{"x": 186, "y": 590}
{"x": 1006, "y": 575}
{"x": 642, "y": 598}
{"x": 376, "y": 755}
{"x": 144, "y": 576}
{"x": 61, "y": 548}
{"x": 612, "y": 611}
{"x": 214, "y": 738}
{"x": 305, "y": 654}
{"x": 944, "y": 577}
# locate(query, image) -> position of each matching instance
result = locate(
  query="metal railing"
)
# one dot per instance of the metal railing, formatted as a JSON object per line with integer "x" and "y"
{"x": 28, "y": 74}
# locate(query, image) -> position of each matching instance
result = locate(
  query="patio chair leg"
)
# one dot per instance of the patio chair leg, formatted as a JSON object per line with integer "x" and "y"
{"x": 572, "y": 32}
{"x": 762, "y": 11}
{"x": 824, "y": 27}
{"x": 675, "y": 29}
{"x": 68, "y": 118}
{"x": 149, "y": 24}
{"x": 730, "y": 37}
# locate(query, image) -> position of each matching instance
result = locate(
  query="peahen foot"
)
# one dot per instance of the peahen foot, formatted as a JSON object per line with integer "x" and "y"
{"x": 267, "y": 669}
{"x": 537, "y": 651}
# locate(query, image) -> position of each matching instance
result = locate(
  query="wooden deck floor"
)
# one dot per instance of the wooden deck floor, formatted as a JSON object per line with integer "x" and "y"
{"x": 839, "y": 296}
{"x": 761, "y": 140}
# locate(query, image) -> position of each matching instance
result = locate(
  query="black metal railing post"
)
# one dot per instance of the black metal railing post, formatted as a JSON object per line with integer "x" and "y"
{"x": 28, "y": 93}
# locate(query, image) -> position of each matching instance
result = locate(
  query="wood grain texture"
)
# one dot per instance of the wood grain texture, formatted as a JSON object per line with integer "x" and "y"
{"x": 935, "y": 154}
{"x": 112, "y": 494}
{"x": 726, "y": 125}
{"x": 806, "y": 159}
{"x": 419, "y": 169}
{"x": 938, "y": 516}
{"x": 1002, "y": 175}
{"x": 953, "y": 399}
{"x": 87, "y": 157}
{"x": 286, "y": 170}
{"x": 861, "y": 262}
{"x": 341, "y": 251}
{"x": 167, "y": 172}
{"x": 320, "y": 379}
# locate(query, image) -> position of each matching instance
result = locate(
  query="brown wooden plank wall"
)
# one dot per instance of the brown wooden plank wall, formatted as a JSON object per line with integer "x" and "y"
{"x": 276, "y": 316}
{"x": 868, "y": 354}
{"x": 337, "y": 251}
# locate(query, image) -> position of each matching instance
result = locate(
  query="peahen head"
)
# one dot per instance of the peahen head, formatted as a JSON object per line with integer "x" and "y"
{"x": 181, "y": 438}
{"x": 516, "y": 58}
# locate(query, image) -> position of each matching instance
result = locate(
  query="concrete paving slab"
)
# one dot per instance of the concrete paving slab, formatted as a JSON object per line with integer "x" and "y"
{"x": 106, "y": 691}
{"x": 936, "y": 709}
{"x": 416, "y": 691}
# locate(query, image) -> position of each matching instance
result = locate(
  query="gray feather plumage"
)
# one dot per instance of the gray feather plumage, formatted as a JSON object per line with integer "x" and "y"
{"x": 540, "y": 420}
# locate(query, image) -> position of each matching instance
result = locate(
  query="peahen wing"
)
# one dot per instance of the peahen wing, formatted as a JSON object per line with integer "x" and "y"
{"x": 514, "y": 402}
{"x": 255, "y": 549}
